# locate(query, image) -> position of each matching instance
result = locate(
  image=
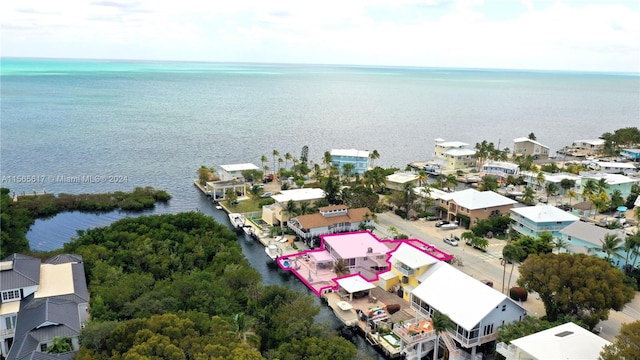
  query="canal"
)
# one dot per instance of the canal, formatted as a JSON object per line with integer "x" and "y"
{"x": 52, "y": 233}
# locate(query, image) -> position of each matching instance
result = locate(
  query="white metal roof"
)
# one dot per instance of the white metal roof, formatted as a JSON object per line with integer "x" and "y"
{"x": 501, "y": 164}
{"x": 611, "y": 179}
{"x": 354, "y": 284}
{"x": 452, "y": 292}
{"x": 433, "y": 192}
{"x": 595, "y": 142}
{"x": 473, "y": 199}
{"x": 567, "y": 342}
{"x": 412, "y": 257}
{"x": 460, "y": 152}
{"x": 239, "y": 167}
{"x": 618, "y": 165}
{"x": 350, "y": 152}
{"x": 453, "y": 144}
{"x": 544, "y": 213}
{"x": 303, "y": 194}
{"x": 524, "y": 139}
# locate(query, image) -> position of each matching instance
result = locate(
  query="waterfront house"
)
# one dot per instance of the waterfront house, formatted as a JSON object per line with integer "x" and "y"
{"x": 407, "y": 264}
{"x": 330, "y": 220}
{"x": 611, "y": 167}
{"x": 57, "y": 306}
{"x": 454, "y": 155}
{"x": 398, "y": 180}
{"x": 476, "y": 310}
{"x": 587, "y": 238}
{"x": 230, "y": 178}
{"x": 567, "y": 341}
{"x": 362, "y": 252}
{"x": 470, "y": 205}
{"x": 533, "y": 220}
{"x": 276, "y": 213}
{"x": 588, "y": 147}
{"x": 524, "y": 146}
{"x": 631, "y": 154}
{"x": 234, "y": 171}
{"x": 530, "y": 179}
{"x": 358, "y": 158}
{"x": 500, "y": 169}
{"x": 618, "y": 182}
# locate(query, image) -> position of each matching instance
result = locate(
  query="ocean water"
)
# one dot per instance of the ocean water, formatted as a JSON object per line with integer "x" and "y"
{"x": 134, "y": 123}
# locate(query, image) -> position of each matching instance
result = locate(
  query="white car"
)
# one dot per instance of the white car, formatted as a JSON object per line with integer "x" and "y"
{"x": 267, "y": 194}
{"x": 451, "y": 241}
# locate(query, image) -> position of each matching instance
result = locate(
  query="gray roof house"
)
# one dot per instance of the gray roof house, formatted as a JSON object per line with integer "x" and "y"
{"x": 586, "y": 238}
{"x": 58, "y": 307}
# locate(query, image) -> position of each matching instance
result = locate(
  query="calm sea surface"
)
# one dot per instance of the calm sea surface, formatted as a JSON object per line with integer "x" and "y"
{"x": 155, "y": 123}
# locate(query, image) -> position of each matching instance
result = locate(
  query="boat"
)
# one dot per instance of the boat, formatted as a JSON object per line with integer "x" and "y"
{"x": 248, "y": 230}
{"x": 273, "y": 251}
{"x": 237, "y": 220}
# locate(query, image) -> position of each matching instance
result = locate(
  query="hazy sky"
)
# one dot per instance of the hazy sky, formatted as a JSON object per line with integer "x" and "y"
{"x": 598, "y": 35}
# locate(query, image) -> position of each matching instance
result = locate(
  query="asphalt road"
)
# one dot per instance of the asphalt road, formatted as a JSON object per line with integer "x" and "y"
{"x": 487, "y": 266}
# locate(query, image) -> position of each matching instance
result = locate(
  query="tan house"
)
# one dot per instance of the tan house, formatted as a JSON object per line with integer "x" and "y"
{"x": 525, "y": 146}
{"x": 470, "y": 205}
{"x": 330, "y": 220}
{"x": 398, "y": 180}
{"x": 454, "y": 155}
{"x": 276, "y": 213}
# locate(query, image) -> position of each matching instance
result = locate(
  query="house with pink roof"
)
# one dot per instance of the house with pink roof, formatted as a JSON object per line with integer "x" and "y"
{"x": 362, "y": 252}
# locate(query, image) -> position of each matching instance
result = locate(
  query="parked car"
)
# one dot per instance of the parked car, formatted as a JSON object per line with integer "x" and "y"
{"x": 451, "y": 241}
{"x": 441, "y": 222}
{"x": 267, "y": 194}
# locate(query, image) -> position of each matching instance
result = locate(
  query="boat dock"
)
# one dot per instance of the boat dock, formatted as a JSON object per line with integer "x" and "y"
{"x": 369, "y": 316}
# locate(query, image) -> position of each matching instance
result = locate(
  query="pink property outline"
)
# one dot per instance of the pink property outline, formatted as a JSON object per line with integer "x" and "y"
{"x": 321, "y": 290}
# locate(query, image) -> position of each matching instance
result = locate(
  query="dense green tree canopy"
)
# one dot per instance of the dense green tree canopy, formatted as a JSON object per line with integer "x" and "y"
{"x": 626, "y": 345}
{"x": 576, "y": 285}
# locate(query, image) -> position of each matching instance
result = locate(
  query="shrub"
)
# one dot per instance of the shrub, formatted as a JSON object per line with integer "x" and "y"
{"x": 518, "y": 294}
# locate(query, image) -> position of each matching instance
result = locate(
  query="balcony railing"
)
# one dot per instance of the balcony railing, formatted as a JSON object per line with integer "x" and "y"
{"x": 403, "y": 269}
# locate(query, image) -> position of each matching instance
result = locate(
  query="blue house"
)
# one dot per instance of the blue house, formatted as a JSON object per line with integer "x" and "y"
{"x": 631, "y": 154}
{"x": 587, "y": 238}
{"x": 534, "y": 220}
{"x": 359, "y": 159}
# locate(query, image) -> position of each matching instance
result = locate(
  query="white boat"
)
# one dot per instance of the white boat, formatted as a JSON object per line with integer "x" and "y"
{"x": 273, "y": 251}
{"x": 248, "y": 230}
{"x": 237, "y": 220}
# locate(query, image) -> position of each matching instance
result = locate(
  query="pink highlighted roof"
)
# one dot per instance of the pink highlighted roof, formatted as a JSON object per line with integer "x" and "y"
{"x": 309, "y": 268}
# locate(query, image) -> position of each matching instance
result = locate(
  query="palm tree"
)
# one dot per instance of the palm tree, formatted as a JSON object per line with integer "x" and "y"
{"x": 275, "y": 153}
{"x": 602, "y": 185}
{"x": 423, "y": 177}
{"x": 341, "y": 268}
{"x": 540, "y": 179}
{"x": 441, "y": 323}
{"x": 572, "y": 195}
{"x": 347, "y": 169}
{"x": 327, "y": 160}
{"x": 60, "y": 345}
{"x": 560, "y": 243}
{"x": 374, "y": 156}
{"x": 263, "y": 160}
{"x": 451, "y": 181}
{"x": 280, "y": 169}
{"x": 287, "y": 157}
{"x": 488, "y": 183}
{"x": 510, "y": 254}
{"x": 551, "y": 189}
{"x": 528, "y": 196}
{"x": 632, "y": 246}
{"x": 589, "y": 188}
{"x": 610, "y": 246}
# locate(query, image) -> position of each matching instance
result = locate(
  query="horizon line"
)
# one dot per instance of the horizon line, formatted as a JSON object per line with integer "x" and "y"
{"x": 627, "y": 73}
